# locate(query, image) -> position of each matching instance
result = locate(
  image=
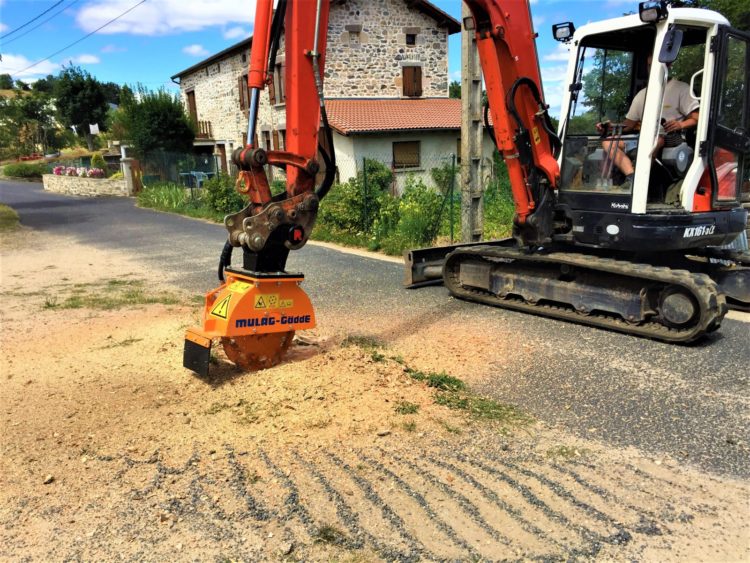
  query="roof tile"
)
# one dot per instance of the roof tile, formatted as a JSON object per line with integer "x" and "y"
{"x": 369, "y": 116}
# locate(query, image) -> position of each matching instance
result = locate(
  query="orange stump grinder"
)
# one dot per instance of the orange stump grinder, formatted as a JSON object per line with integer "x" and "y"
{"x": 258, "y": 308}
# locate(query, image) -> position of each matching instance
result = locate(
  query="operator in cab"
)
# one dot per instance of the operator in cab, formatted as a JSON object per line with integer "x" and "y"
{"x": 679, "y": 112}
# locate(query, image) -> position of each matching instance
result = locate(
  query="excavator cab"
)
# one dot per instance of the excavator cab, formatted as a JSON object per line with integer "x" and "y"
{"x": 685, "y": 188}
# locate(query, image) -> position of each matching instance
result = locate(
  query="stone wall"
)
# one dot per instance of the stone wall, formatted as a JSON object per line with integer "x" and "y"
{"x": 365, "y": 55}
{"x": 90, "y": 187}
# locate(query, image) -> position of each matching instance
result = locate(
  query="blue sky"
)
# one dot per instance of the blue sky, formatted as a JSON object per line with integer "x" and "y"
{"x": 161, "y": 37}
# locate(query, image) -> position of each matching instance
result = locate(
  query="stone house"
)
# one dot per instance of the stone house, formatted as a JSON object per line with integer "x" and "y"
{"x": 385, "y": 83}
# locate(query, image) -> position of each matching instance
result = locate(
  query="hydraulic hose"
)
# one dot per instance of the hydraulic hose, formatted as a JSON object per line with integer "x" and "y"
{"x": 225, "y": 259}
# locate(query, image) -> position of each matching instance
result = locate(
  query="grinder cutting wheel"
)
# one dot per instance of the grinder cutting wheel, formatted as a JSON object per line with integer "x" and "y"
{"x": 258, "y": 308}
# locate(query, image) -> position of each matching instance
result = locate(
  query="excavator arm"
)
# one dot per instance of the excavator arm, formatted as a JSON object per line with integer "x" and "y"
{"x": 521, "y": 126}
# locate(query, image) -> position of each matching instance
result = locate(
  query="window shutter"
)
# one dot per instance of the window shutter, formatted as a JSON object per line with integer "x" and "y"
{"x": 271, "y": 91}
{"x": 406, "y": 154}
{"x": 276, "y": 140}
{"x": 408, "y": 79}
{"x": 417, "y": 80}
{"x": 242, "y": 93}
{"x": 282, "y": 96}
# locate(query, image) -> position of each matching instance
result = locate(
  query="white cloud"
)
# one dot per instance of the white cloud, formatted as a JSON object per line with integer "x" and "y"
{"x": 456, "y": 75}
{"x": 236, "y": 33}
{"x": 3, "y": 27}
{"x": 560, "y": 54}
{"x": 12, "y": 64}
{"x": 113, "y": 49}
{"x": 538, "y": 21}
{"x": 554, "y": 73}
{"x": 86, "y": 59}
{"x": 195, "y": 50}
{"x": 553, "y": 78}
{"x": 164, "y": 16}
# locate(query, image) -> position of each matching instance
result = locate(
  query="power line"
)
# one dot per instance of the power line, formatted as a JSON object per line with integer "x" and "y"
{"x": 81, "y": 39}
{"x": 12, "y": 31}
{"x": 41, "y": 23}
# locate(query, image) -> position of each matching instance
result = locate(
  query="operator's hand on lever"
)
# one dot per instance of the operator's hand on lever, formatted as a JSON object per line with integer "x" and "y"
{"x": 672, "y": 126}
{"x": 603, "y": 128}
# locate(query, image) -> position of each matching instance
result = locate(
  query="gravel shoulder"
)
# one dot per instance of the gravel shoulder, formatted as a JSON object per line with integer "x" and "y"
{"x": 111, "y": 449}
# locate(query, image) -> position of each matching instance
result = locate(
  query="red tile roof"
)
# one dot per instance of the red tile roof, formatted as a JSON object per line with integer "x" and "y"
{"x": 370, "y": 116}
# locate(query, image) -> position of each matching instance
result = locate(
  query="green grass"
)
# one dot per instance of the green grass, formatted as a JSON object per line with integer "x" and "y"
{"x": 483, "y": 408}
{"x": 360, "y": 341}
{"x": 112, "y": 294}
{"x": 441, "y": 381}
{"x": 177, "y": 199}
{"x": 8, "y": 219}
{"x": 405, "y": 407}
{"x": 410, "y": 426}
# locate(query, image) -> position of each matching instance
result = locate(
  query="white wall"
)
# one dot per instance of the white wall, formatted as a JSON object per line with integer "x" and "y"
{"x": 436, "y": 148}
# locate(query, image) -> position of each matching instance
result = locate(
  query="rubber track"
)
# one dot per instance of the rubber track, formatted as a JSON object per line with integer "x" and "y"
{"x": 711, "y": 302}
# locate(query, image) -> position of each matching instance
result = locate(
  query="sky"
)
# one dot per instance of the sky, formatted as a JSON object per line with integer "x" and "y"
{"x": 159, "y": 38}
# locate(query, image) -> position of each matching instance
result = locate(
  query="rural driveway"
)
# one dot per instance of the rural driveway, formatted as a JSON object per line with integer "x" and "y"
{"x": 689, "y": 402}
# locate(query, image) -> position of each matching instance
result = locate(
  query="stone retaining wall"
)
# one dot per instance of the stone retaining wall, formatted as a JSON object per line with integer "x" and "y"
{"x": 90, "y": 187}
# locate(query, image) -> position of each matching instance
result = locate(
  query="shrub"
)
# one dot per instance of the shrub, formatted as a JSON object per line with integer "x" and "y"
{"x": 24, "y": 170}
{"x": 97, "y": 161}
{"x": 418, "y": 216}
{"x": 220, "y": 195}
{"x": 355, "y": 205}
{"x": 162, "y": 195}
{"x": 117, "y": 176}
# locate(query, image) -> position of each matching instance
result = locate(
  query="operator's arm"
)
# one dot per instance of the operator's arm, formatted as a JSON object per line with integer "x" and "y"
{"x": 688, "y": 123}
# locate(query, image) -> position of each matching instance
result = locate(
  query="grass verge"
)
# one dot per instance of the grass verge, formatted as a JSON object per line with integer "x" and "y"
{"x": 9, "y": 220}
{"x": 450, "y": 392}
{"x": 111, "y": 294}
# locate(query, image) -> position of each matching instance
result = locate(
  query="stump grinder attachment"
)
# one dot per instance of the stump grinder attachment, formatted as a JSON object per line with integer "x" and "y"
{"x": 255, "y": 317}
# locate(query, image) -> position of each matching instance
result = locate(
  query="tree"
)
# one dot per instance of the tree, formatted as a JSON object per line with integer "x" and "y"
{"x": 21, "y": 85}
{"x": 27, "y": 124}
{"x": 454, "y": 89}
{"x": 6, "y": 82}
{"x": 81, "y": 101}
{"x": 46, "y": 85}
{"x": 112, "y": 92}
{"x": 154, "y": 121}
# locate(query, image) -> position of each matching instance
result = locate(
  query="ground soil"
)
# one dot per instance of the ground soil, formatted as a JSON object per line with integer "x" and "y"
{"x": 110, "y": 449}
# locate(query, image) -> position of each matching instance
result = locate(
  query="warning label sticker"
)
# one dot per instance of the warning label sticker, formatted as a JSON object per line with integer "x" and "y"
{"x": 272, "y": 301}
{"x": 239, "y": 287}
{"x": 221, "y": 309}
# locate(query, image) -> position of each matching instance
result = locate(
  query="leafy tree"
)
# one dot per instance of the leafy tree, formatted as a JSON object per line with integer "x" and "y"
{"x": 112, "y": 92}
{"x": 46, "y": 85}
{"x": 154, "y": 121}
{"x": 27, "y": 124}
{"x": 80, "y": 101}
{"x": 6, "y": 82}
{"x": 454, "y": 89}
{"x": 606, "y": 85}
{"x": 21, "y": 85}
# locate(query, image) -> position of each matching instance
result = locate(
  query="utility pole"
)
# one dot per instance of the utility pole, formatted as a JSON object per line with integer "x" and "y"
{"x": 472, "y": 216}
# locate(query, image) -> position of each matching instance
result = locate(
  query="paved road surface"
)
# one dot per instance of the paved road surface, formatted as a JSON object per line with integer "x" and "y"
{"x": 686, "y": 401}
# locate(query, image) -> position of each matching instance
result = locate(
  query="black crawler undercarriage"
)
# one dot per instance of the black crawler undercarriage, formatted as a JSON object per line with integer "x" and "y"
{"x": 673, "y": 297}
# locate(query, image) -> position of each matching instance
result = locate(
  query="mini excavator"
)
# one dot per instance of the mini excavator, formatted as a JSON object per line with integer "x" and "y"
{"x": 648, "y": 256}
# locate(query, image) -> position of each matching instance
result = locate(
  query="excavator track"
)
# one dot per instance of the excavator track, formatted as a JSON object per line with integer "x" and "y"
{"x": 649, "y": 301}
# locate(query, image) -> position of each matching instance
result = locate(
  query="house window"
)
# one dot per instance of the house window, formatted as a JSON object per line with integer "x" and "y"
{"x": 354, "y": 38}
{"x": 244, "y": 92}
{"x": 412, "y": 79}
{"x": 406, "y": 154}
{"x": 192, "y": 109}
{"x": 267, "y": 140}
{"x": 411, "y": 38}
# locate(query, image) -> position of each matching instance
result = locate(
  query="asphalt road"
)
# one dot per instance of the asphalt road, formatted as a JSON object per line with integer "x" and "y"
{"x": 686, "y": 401}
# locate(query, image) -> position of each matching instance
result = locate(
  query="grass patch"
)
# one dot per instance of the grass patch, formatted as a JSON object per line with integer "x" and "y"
{"x": 112, "y": 294}
{"x": 449, "y": 427}
{"x": 405, "y": 407}
{"x": 329, "y": 534}
{"x": 360, "y": 341}
{"x": 410, "y": 426}
{"x": 8, "y": 219}
{"x": 377, "y": 356}
{"x": 483, "y": 408}
{"x": 216, "y": 408}
{"x": 441, "y": 381}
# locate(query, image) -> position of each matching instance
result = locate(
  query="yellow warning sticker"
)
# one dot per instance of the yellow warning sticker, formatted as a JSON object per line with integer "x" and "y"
{"x": 535, "y": 133}
{"x": 272, "y": 301}
{"x": 240, "y": 287}
{"x": 221, "y": 309}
